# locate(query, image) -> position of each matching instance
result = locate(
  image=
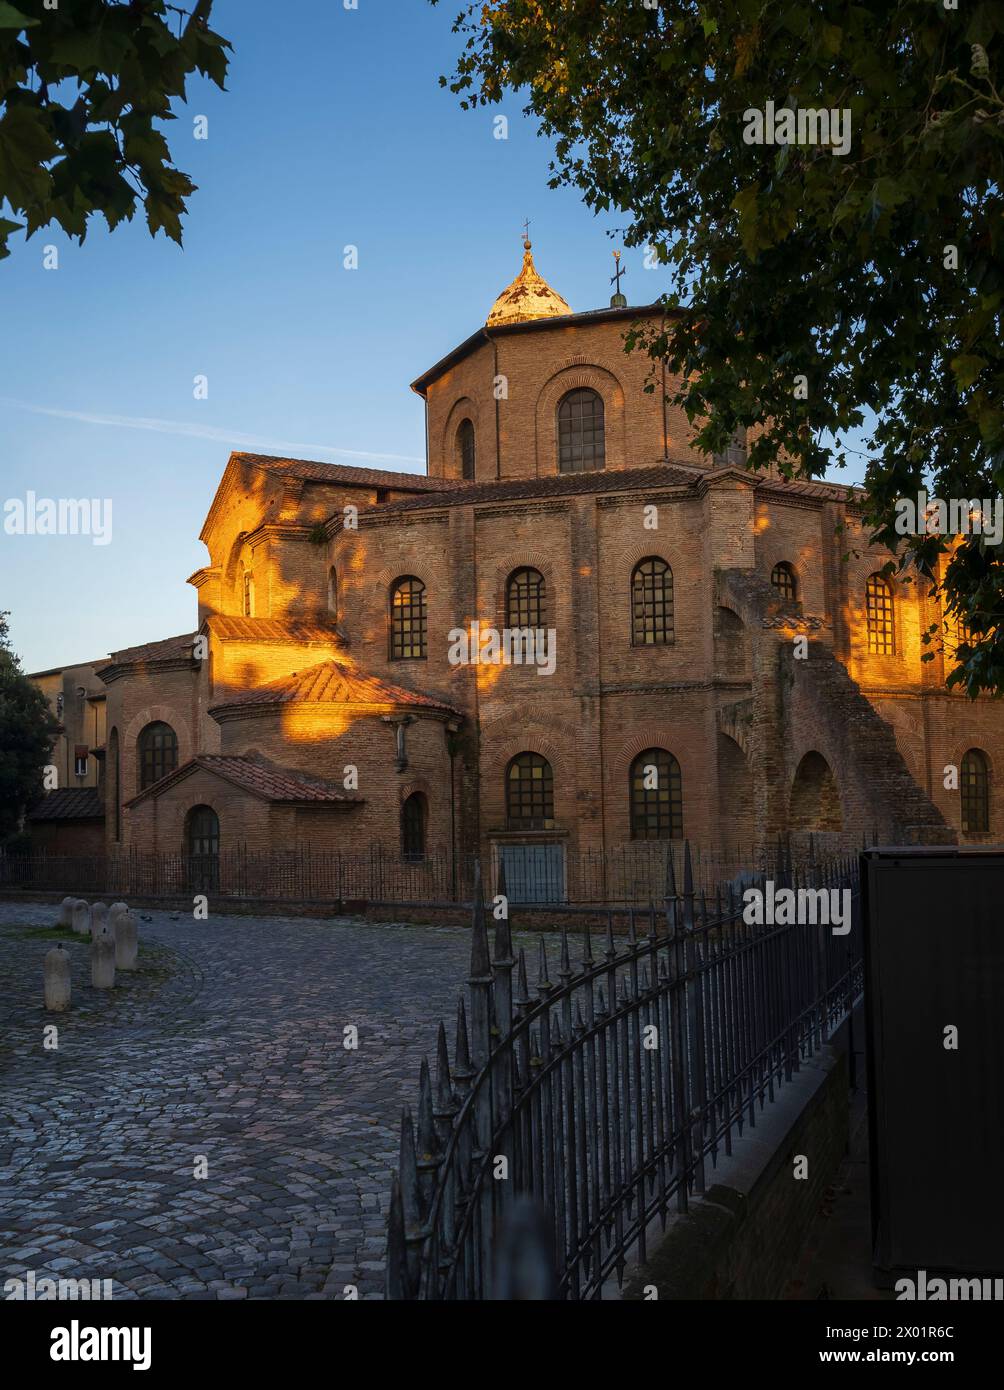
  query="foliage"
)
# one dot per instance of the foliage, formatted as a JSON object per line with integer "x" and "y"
{"x": 27, "y": 729}
{"x": 792, "y": 261}
{"x": 83, "y": 90}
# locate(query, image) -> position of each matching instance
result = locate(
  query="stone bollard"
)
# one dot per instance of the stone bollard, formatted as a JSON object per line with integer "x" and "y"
{"x": 81, "y": 918}
{"x": 126, "y": 942}
{"x": 57, "y": 980}
{"x": 99, "y": 917}
{"x": 115, "y": 910}
{"x": 66, "y": 912}
{"x": 102, "y": 958}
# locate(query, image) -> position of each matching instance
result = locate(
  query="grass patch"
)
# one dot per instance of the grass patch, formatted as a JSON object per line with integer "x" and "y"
{"x": 47, "y": 934}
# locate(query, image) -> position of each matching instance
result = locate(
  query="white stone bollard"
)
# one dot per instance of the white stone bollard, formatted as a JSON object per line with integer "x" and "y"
{"x": 81, "y": 918}
{"x": 102, "y": 958}
{"x": 99, "y": 917}
{"x": 66, "y": 912}
{"x": 126, "y": 941}
{"x": 57, "y": 980}
{"x": 115, "y": 909}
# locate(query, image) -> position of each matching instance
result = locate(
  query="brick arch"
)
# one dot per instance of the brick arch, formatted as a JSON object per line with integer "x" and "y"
{"x": 497, "y": 759}
{"x": 532, "y": 716}
{"x": 128, "y": 741}
{"x": 652, "y": 736}
{"x": 578, "y": 376}
{"x": 814, "y": 800}
{"x": 466, "y": 408}
{"x": 962, "y": 748}
{"x": 776, "y": 554}
{"x": 414, "y": 784}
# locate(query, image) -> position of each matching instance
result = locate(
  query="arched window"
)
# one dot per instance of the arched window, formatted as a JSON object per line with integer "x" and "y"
{"x": 580, "y": 432}
{"x": 651, "y": 603}
{"x": 408, "y": 621}
{"x": 202, "y": 848}
{"x": 248, "y": 599}
{"x": 783, "y": 578}
{"x": 413, "y": 827}
{"x": 465, "y": 449}
{"x": 656, "y": 796}
{"x": 333, "y": 591}
{"x": 524, "y": 606}
{"x": 115, "y": 777}
{"x": 879, "y": 615}
{"x": 157, "y": 749}
{"x": 529, "y": 793}
{"x": 975, "y": 789}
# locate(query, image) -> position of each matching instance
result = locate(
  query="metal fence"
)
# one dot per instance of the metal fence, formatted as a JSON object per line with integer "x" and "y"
{"x": 606, "y": 1097}
{"x": 629, "y": 874}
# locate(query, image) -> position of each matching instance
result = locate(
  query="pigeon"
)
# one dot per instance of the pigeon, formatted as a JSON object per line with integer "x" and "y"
{"x": 145, "y": 917}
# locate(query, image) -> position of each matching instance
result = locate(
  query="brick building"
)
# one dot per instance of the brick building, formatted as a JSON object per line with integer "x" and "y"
{"x": 720, "y": 657}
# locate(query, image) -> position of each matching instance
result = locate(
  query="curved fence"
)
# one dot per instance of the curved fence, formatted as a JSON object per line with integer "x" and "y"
{"x": 606, "y": 1095}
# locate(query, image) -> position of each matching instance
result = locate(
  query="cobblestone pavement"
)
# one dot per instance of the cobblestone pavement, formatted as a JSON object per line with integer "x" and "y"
{"x": 227, "y": 1044}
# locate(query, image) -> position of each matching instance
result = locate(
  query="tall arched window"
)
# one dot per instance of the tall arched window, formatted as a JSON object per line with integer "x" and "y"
{"x": 783, "y": 579}
{"x": 975, "y": 789}
{"x": 656, "y": 789}
{"x": 651, "y": 603}
{"x": 413, "y": 819}
{"x": 333, "y": 591}
{"x": 581, "y": 443}
{"x": 248, "y": 598}
{"x": 157, "y": 750}
{"x": 879, "y": 615}
{"x": 524, "y": 606}
{"x": 408, "y": 619}
{"x": 465, "y": 449}
{"x": 529, "y": 793}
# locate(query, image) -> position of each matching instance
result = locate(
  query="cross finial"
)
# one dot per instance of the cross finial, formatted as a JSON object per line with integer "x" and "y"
{"x": 526, "y": 232}
{"x": 617, "y": 300}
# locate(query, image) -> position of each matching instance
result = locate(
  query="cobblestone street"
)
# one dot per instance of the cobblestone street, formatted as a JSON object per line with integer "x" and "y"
{"x": 228, "y": 1043}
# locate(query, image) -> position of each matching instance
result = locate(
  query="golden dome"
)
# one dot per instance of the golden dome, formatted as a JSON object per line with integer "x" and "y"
{"x": 528, "y": 297}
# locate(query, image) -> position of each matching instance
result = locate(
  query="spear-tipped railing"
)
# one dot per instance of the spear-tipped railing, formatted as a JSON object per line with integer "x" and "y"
{"x": 576, "y": 1115}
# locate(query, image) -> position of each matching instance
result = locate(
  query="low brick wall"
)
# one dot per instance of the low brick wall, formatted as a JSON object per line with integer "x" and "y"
{"x": 742, "y": 1240}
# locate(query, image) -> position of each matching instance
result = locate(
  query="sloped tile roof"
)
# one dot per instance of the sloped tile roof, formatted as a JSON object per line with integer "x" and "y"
{"x": 308, "y": 470}
{"x": 557, "y": 485}
{"x": 69, "y": 803}
{"x": 270, "y": 629}
{"x": 165, "y": 649}
{"x": 335, "y": 682}
{"x": 254, "y": 775}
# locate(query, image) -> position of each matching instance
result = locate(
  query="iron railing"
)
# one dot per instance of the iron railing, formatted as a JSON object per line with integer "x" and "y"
{"x": 603, "y": 1099}
{"x": 629, "y": 874}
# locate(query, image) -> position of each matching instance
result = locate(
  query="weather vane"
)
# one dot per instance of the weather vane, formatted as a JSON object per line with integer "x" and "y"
{"x": 617, "y": 300}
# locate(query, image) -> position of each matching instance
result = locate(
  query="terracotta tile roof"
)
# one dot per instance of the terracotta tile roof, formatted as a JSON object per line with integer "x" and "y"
{"x": 69, "y": 803}
{"x": 256, "y": 776}
{"x": 270, "y": 629}
{"x": 558, "y": 485}
{"x": 334, "y": 682}
{"x": 167, "y": 648}
{"x": 312, "y": 472}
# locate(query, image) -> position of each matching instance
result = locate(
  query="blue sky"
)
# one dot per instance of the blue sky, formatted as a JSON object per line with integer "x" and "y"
{"x": 334, "y": 131}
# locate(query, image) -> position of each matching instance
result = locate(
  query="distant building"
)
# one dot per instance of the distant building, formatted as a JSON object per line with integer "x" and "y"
{"x": 727, "y": 661}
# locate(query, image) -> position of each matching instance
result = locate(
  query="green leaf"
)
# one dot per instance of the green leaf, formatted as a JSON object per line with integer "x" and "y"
{"x": 967, "y": 368}
{"x": 14, "y": 19}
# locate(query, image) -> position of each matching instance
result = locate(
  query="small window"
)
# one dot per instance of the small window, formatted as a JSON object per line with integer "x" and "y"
{"x": 656, "y": 796}
{"x": 783, "y": 579}
{"x": 158, "y": 753}
{"x": 975, "y": 789}
{"x": 80, "y": 756}
{"x": 333, "y": 592}
{"x": 408, "y": 620}
{"x": 529, "y": 793}
{"x": 525, "y": 599}
{"x": 879, "y": 615}
{"x": 248, "y": 600}
{"x": 413, "y": 827}
{"x": 734, "y": 453}
{"x": 651, "y": 603}
{"x": 465, "y": 449}
{"x": 581, "y": 434}
{"x": 202, "y": 848}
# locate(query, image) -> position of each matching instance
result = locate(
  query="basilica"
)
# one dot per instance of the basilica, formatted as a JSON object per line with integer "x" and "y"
{"x": 725, "y": 659}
